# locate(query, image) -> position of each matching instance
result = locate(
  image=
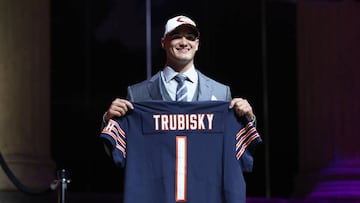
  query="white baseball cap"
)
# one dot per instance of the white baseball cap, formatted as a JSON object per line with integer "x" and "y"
{"x": 177, "y": 21}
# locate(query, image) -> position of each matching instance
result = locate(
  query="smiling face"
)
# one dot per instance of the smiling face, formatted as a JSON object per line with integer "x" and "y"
{"x": 180, "y": 46}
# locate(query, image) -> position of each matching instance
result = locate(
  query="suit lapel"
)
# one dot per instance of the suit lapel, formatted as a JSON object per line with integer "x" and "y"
{"x": 153, "y": 87}
{"x": 205, "y": 90}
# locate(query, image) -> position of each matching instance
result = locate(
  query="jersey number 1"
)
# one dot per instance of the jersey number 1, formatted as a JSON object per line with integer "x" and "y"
{"x": 180, "y": 181}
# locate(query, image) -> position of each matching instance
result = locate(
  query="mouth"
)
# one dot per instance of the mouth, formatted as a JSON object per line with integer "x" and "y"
{"x": 183, "y": 50}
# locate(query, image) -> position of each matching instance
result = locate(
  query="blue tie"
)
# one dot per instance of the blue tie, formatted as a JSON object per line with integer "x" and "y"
{"x": 181, "y": 90}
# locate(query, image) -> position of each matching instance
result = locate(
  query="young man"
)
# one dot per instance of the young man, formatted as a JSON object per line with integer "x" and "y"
{"x": 180, "y": 43}
{"x": 195, "y": 150}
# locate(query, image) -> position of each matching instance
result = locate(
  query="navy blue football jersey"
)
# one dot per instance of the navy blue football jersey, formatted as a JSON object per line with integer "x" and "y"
{"x": 193, "y": 152}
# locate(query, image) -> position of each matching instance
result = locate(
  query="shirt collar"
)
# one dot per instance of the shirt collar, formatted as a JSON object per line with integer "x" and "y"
{"x": 170, "y": 73}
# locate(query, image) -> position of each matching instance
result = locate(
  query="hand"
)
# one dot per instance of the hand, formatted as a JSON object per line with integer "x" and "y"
{"x": 119, "y": 107}
{"x": 242, "y": 107}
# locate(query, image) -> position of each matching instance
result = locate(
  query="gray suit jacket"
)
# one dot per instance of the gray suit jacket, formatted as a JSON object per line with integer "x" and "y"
{"x": 151, "y": 89}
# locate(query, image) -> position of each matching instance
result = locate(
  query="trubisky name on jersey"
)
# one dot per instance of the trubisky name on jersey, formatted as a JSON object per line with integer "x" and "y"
{"x": 167, "y": 122}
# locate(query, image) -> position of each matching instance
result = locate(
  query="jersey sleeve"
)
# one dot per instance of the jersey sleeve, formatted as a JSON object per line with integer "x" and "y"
{"x": 114, "y": 133}
{"x": 247, "y": 138}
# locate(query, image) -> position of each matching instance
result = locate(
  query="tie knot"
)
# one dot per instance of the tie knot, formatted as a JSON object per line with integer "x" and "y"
{"x": 180, "y": 78}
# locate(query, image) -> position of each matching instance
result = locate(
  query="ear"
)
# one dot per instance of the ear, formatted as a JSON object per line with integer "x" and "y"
{"x": 198, "y": 44}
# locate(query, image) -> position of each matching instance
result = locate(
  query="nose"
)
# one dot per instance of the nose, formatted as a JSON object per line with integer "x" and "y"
{"x": 183, "y": 40}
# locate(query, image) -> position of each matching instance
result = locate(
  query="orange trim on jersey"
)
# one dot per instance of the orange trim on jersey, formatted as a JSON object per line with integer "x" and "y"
{"x": 244, "y": 137}
{"x": 244, "y": 146}
{"x": 243, "y": 130}
{"x": 114, "y": 130}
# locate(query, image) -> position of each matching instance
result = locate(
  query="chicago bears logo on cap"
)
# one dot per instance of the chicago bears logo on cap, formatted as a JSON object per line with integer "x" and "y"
{"x": 175, "y": 22}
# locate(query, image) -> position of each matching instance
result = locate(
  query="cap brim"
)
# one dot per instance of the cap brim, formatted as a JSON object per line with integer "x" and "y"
{"x": 196, "y": 31}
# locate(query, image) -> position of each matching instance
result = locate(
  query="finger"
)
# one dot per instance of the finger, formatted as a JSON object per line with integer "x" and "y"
{"x": 239, "y": 111}
{"x": 128, "y": 104}
{"x": 115, "y": 113}
{"x": 123, "y": 103}
{"x": 234, "y": 102}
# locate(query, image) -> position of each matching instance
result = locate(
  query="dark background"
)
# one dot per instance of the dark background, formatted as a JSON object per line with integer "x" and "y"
{"x": 99, "y": 48}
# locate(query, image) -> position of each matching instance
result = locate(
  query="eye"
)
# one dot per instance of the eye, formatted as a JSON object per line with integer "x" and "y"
{"x": 190, "y": 37}
{"x": 175, "y": 36}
